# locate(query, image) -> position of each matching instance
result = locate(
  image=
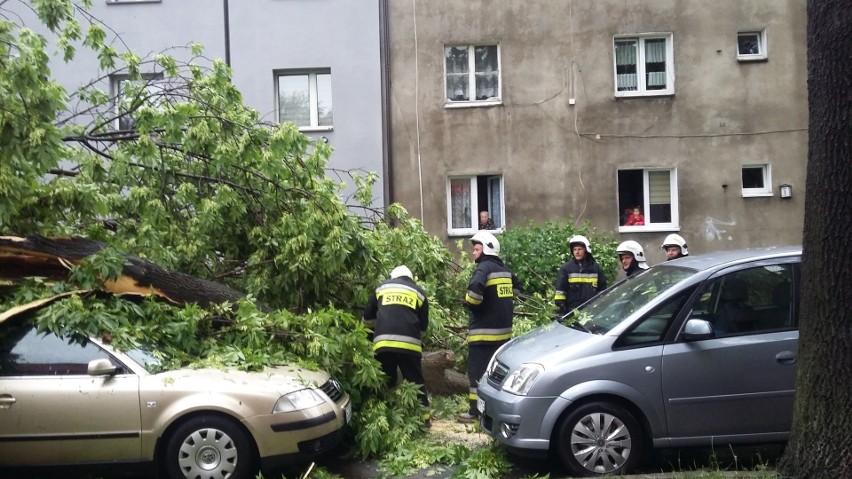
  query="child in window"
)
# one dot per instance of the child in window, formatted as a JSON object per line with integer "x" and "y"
{"x": 636, "y": 219}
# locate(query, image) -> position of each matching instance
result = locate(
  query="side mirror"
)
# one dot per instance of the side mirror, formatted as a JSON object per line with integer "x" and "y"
{"x": 696, "y": 329}
{"x": 101, "y": 367}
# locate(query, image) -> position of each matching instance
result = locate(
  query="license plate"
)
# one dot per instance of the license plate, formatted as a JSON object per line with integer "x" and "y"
{"x": 480, "y": 405}
{"x": 347, "y": 412}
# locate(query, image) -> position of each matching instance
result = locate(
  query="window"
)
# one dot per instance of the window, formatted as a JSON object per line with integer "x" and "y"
{"x": 748, "y": 301}
{"x": 130, "y": 95}
{"x": 26, "y": 352}
{"x": 472, "y": 74}
{"x": 654, "y": 193}
{"x": 467, "y": 196}
{"x": 751, "y": 46}
{"x": 305, "y": 99}
{"x": 644, "y": 65}
{"x": 756, "y": 180}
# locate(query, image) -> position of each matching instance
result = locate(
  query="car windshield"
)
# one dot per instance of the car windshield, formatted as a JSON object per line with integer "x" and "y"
{"x": 615, "y": 304}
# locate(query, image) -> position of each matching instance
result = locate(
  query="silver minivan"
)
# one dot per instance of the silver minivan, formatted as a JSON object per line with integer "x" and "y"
{"x": 696, "y": 351}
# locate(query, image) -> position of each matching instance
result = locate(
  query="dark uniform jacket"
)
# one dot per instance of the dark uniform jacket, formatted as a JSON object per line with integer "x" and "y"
{"x": 398, "y": 313}
{"x": 490, "y": 295}
{"x": 577, "y": 282}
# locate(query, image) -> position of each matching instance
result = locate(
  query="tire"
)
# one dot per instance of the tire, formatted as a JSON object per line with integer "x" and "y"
{"x": 599, "y": 438}
{"x": 206, "y": 447}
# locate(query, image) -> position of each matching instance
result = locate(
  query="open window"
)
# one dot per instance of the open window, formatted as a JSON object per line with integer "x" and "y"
{"x": 757, "y": 180}
{"x": 652, "y": 193}
{"x": 468, "y": 197}
{"x": 751, "y": 45}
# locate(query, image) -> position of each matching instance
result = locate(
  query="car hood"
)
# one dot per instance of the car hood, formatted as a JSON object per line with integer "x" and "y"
{"x": 274, "y": 380}
{"x": 547, "y": 344}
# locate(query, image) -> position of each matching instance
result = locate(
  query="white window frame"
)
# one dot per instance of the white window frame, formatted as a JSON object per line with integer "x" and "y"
{"x": 761, "y": 44}
{"x": 474, "y": 212}
{"x": 117, "y": 92}
{"x": 114, "y": 2}
{"x": 640, "y": 65}
{"x": 767, "y": 182}
{"x": 313, "y": 97}
{"x": 674, "y": 224}
{"x": 471, "y": 72}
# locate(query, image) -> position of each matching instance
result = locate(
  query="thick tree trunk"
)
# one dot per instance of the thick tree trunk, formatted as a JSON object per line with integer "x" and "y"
{"x": 820, "y": 446}
{"x": 52, "y": 257}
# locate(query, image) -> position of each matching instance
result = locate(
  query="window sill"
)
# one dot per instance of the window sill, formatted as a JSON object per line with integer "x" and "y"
{"x": 644, "y": 94}
{"x": 125, "y": 2}
{"x": 649, "y": 228}
{"x": 308, "y": 129}
{"x": 472, "y": 104}
{"x": 762, "y": 194}
{"x": 751, "y": 58}
{"x": 464, "y": 232}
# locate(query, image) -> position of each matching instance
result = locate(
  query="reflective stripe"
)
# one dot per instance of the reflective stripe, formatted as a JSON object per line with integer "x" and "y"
{"x": 498, "y": 274}
{"x": 488, "y": 334}
{"x": 496, "y": 281}
{"x": 559, "y": 295}
{"x": 397, "y": 345}
{"x": 397, "y": 341}
{"x": 472, "y": 396}
{"x": 591, "y": 278}
{"x": 473, "y": 298}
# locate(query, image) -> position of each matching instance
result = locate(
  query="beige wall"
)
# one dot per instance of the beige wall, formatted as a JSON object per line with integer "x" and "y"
{"x": 560, "y": 160}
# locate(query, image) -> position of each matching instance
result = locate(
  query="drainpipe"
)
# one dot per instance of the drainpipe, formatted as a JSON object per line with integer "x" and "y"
{"x": 227, "y": 35}
{"x": 384, "y": 60}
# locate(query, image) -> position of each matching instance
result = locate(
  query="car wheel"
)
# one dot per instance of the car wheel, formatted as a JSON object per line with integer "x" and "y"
{"x": 599, "y": 438}
{"x": 207, "y": 447}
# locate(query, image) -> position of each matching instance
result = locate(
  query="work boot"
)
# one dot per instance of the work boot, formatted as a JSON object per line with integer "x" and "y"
{"x": 467, "y": 418}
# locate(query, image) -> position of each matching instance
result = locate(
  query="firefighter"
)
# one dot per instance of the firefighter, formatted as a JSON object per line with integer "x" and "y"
{"x": 398, "y": 314}
{"x": 490, "y": 300}
{"x": 579, "y": 278}
{"x": 674, "y": 246}
{"x": 631, "y": 255}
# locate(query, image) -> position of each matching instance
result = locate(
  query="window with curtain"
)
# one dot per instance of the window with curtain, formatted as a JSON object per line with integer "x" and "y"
{"x": 654, "y": 192}
{"x": 472, "y": 74}
{"x": 469, "y": 197}
{"x": 644, "y": 65}
{"x": 305, "y": 99}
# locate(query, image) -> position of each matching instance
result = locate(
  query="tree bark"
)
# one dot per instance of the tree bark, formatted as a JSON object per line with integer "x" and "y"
{"x": 52, "y": 257}
{"x": 820, "y": 445}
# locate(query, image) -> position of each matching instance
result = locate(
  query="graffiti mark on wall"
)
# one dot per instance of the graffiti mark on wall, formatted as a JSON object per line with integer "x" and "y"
{"x": 713, "y": 228}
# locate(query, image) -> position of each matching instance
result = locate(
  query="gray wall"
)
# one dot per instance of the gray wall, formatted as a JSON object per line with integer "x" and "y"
{"x": 560, "y": 160}
{"x": 265, "y": 35}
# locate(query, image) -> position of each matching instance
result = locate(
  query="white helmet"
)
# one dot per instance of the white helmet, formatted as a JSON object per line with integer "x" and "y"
{"x": 580, "y": 239}
{"x": 401, "y": 270}
{"x": 675, "y": 240}
{"x": 635, "y": 249}
{"x": 490, "y": 245}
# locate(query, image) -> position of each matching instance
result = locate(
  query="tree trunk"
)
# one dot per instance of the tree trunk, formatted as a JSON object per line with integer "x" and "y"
{"x": 820, "y": 445}
{"x": 52, "y": 257}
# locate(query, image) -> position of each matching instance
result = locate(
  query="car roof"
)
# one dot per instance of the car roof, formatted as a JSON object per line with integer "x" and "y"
{"x": 725, "y": 258}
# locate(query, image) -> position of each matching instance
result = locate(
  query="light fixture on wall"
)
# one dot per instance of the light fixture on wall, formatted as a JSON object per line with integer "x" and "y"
{"x": 786, "y": 191}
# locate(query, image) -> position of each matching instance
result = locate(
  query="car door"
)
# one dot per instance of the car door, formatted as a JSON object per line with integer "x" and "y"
{"x": 738, "y": 384}
{"x": 53, "y": 412}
